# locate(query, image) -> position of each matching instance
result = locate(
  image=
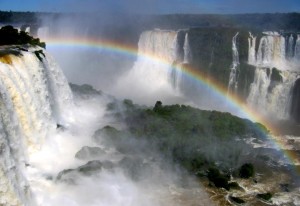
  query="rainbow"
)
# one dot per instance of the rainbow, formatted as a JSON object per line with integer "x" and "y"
{"x": 190, "y": 72}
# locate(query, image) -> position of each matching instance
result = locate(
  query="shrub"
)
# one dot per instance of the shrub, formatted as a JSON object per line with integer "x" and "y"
{"x": 11, "y": 36}
{"x": 246, "y": 171}
{"x": 219, "y": 180}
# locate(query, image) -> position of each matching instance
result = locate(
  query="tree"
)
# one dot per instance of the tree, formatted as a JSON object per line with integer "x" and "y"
{"x": 247, "y": 171}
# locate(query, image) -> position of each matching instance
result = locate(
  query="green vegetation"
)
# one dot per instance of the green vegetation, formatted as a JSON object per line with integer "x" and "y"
{"x": 11, "y": 36}
{"x": 203, "y": 142}
{"x": 219, "y": 180}
{"x": 246, "y": 171}
{"x": 181, "y": 120}
{"x": 85, "y": 90}
{"x": 8, "y": 17}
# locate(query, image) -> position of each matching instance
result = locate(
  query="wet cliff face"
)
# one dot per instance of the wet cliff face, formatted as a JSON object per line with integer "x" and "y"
{"x": 212, "y": 54}
{"x": 295, "y": 107}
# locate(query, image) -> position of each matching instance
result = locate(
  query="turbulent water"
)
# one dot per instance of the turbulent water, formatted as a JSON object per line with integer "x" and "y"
{"x": 277, "y": 71}
{"x": 153, "y": 72}
{"x": 49, "y": 135}
{"x": 33, "y": 93}
{"x": 51, "y": 154}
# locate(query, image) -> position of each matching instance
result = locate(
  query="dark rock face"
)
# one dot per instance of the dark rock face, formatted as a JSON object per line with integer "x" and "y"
{"x": 295, "y": 104}
{"x": 90, "y": 168}
{"x": 211, "y": 50}
{"x": 87, "y": 153}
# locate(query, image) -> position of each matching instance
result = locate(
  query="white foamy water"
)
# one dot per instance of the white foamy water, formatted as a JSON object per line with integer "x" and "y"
{"x": 43, "y": 128}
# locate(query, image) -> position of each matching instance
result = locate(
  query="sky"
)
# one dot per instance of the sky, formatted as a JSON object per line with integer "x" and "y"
{"x": 154, "y": 6}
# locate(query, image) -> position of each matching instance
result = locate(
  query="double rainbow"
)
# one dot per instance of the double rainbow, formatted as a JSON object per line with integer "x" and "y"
{"x": 190, "y": 72}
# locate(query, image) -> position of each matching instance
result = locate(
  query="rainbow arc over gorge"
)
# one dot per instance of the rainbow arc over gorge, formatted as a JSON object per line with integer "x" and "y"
{"x": 188, "y": 71}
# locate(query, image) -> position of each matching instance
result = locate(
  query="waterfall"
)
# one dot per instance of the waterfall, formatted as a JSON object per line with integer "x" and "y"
{"x": 297, "y": 48}
{"x": 290, "y": 47}
{"x": 158, "y": 43}
{"x": 233, "y": 77}
{"x": 271, "y": 90}
{"x": 275, "y": 50}
{"x": 157, "y": 68}
{"x": 271, "y": 51}
{"x": 251, "y": 52}
{"x": 33, "y": 95}
{"x": 187, "y": 50}
{"x": 269, "y": 95}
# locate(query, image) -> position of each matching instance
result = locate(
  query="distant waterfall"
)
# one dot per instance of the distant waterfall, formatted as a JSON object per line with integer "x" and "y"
{"x": 157, "y": 68}
{"x": 271, "y": 51}
{"x": 281, "y": 51}
{"x": 271, "y": 91}
{"x": 33, "y": 93}
{"x": 233, "y": 77}
{"x": 187, "y": 50}
{"x": 290, "y": 47}
{"x": 269, "y": 96}
{"x": 251, "y": 53}
{"x": 297, "y": 48}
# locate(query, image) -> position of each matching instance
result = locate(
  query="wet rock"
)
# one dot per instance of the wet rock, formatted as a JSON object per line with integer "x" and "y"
{"x": 89, "y": 153}
{"x": 264, "y": 196}
{"x": 236, "y": 200}
{"x": 88, "y": 169}
{"x": 284, "y": 187}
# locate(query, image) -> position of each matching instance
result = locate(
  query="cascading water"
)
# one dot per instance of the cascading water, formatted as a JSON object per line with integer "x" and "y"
{"x": 271, "y": 51}
{"x": 33, "y": 94}
{"x": 290, "y": 46}
{"x": 233, "y": 81}
{"x": 252, "y": 45}
{"x": 160, "y": 51}
{"x": 187, "y": 50}
{"x": 40, "y": 142}
{"x": 275, "y": 74}
{"x": 297, "y": 48}
{"x": 272, "y": 97}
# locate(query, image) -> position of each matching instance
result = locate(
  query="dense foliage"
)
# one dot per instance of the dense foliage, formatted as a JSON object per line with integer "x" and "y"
{"x": 9, "y": 17}
{"x": 11, "y": 36}
{"x": 247, "y": 171}
{"x": 219, "y": 180}
{"x": 203, "y": 142}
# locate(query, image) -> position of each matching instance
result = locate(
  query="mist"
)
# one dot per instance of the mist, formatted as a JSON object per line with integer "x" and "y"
{"x": 130, "y": 171}
{"x": 66, "y": 171}
{"x": 143, "y": 176}
{"x": 123, "y": 74}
